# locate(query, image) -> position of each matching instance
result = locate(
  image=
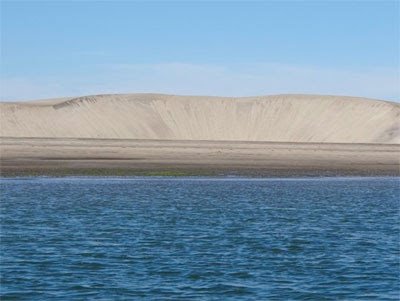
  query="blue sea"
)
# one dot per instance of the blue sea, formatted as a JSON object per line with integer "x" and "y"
{"x": 200, "y": 239}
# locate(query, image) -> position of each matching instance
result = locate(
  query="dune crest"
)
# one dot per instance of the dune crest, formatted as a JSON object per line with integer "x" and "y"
{"x": 280, "y": 118}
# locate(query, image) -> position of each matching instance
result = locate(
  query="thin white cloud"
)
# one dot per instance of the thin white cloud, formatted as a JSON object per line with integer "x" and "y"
{"x": 208, "y": 79}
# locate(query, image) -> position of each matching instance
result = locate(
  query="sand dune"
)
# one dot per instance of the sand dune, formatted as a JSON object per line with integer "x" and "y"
{"x": 281, "y": 118}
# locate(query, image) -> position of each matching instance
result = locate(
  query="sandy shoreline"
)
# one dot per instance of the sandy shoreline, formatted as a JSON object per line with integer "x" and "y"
{"x": 54, "y": 156}
{"x": 157, "y": 134}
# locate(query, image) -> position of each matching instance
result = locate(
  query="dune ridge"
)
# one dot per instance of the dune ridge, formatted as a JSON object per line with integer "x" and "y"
{"x": 280, "y": 118}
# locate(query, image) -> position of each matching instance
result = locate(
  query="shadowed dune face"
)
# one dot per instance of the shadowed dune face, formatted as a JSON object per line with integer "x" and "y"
{"x": 283, "y": 118}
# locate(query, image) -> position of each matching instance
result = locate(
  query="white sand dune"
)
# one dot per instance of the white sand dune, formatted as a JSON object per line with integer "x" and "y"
{"x": 281, "y": 118}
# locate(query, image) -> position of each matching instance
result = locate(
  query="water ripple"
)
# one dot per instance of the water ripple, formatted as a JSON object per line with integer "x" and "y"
{"x": 200, "y": 239}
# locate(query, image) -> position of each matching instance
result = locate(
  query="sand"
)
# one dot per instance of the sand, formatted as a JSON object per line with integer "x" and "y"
{"x": 24, "y": 156}
{"x": 282, "y": 118}
{"x": 152, "y": 134}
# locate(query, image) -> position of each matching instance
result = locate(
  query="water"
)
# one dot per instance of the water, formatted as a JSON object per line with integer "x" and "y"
{"x": 200, "y": 239}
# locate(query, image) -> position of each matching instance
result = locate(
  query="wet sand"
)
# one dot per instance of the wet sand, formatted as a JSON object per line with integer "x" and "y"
{"x": 114, "y": 157}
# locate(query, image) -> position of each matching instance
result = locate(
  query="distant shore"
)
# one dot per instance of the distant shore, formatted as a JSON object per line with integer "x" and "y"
{"x": 126, "y": 157}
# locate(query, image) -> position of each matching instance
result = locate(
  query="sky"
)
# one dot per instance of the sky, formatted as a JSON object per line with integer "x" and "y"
{"x": 225, "y": 48}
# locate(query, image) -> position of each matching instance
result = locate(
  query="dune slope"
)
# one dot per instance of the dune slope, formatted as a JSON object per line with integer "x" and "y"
{"x": 283, "y": 118}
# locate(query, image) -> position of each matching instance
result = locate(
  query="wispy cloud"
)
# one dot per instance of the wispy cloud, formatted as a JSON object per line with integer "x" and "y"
{"x": 209, "y": 79}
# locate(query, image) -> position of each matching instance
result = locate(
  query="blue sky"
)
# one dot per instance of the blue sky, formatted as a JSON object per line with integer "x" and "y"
{"x": 56, "y": 49}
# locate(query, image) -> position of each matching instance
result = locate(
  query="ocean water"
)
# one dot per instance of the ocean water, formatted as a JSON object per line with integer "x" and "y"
{"x": 200, "y": 239}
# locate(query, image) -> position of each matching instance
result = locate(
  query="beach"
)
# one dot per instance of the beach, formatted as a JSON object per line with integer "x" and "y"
{"x": 157, "y": 134}
{"x": 40, "y": 156}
